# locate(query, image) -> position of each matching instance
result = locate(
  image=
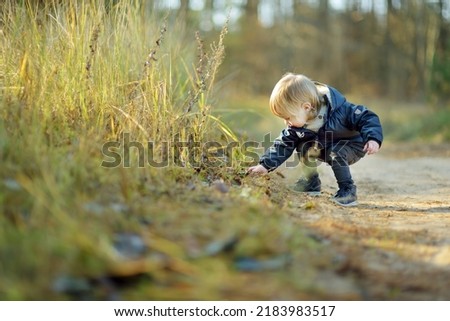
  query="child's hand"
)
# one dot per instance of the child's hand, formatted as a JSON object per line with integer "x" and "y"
{"x": 371, "y": 147}
{"x": 258, "y": 169}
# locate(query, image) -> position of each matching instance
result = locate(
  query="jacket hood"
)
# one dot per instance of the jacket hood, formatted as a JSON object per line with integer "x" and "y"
{"x": 337, "y": 99}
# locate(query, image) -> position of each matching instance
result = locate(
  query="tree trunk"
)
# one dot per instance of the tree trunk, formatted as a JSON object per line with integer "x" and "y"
{"x": 388, "y": 62}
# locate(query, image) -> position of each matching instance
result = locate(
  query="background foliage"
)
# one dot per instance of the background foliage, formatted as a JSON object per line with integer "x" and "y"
{"x": 397, "y": 49}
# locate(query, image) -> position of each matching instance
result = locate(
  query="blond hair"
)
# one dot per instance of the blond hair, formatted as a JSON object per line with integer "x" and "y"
{"x": 290, "y": 92}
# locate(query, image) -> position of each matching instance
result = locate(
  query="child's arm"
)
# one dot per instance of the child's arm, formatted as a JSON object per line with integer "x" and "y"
{"x": 282, "y": 149}
{"x": 368, "y": 124}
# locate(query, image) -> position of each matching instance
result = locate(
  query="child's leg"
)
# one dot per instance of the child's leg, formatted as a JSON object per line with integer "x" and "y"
{"x": 340, "y": 156}
{"x": 310, "y": 181}
{"x": 307, "y": 154}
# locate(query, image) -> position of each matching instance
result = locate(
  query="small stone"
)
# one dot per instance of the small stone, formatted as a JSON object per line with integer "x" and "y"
{"x": 119, "y": 207}
{"x": 94, "y": 208}
{"x": 219, "y": 246}
{"x": 129, "y": 245}
{"x": 220, "y": 186}
{"x": 190, "y": 186}
{"x": 249, "y": 264}
{"x": 12, "y": 184}
{"x": 71, "y": 285}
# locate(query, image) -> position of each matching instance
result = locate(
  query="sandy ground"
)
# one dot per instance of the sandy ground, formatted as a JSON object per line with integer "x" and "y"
{"x": 396, "y": 242}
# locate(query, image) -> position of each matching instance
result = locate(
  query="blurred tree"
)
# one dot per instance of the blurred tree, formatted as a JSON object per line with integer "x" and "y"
{"x": 440, "y": 69}
{"x": 389, "y": 75}
{"x": 396, "y": 48}
{"x": 253, "y": 56}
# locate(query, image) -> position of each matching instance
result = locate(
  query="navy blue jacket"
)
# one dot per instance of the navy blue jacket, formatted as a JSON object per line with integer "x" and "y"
{"x": 344, "y": 121}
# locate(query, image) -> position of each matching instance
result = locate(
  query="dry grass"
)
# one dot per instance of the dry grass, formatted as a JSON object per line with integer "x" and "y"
{"x": 75, "y": 75}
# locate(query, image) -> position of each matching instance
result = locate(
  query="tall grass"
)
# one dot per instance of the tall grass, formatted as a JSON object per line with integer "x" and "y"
{"x": 78, "y": 66}
{"x": 74, "y": 75}
{"x": 79, "y": 74}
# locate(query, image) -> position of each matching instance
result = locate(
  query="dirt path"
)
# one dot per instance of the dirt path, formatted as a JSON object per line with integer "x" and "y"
{"x": 396, "y": 242}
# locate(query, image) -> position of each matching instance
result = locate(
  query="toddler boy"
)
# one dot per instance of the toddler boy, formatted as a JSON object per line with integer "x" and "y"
{"x": 321, "y": 125}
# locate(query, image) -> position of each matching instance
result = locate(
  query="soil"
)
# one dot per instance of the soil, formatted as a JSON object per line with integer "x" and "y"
{"x": 396, "y": 242}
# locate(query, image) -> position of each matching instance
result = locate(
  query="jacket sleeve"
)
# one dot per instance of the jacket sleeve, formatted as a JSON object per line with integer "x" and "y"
{"x": 281, "y": 150}
{"x": 284, "y": 146}
{"x": 366, "y": 122}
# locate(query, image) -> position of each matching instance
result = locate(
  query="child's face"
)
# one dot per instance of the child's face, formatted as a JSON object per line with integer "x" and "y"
{"x": 299, "y": 119}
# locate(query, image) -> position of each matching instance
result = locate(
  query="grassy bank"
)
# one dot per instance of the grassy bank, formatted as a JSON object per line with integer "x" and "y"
{"x": 76, "y": 76}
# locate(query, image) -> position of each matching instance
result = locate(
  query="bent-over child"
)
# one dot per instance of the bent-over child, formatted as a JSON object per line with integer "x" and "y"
{"x": 321, "y": 126}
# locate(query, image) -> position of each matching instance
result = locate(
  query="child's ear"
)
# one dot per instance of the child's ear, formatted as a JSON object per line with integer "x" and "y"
{"x": 307, "y": 106}
{"x": 310, "y": 109}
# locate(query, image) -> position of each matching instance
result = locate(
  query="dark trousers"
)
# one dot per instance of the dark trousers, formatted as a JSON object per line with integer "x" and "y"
{"x": 338, "y": 155}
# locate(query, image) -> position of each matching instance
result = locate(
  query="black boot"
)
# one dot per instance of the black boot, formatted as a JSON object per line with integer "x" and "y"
{"x": 346, "y": 195}
{"x": 310, "y": 185}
